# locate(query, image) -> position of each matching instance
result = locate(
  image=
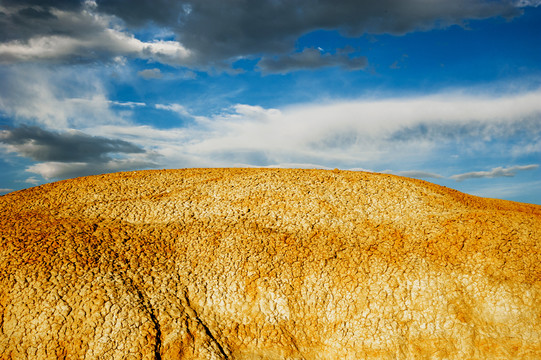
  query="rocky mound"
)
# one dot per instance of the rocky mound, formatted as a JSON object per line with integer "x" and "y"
{"x": 266, "y": 264}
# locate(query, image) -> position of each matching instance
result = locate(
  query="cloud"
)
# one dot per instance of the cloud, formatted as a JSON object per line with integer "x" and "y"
{"x": 418, "y": 174}
{"x": 5, "y": 191}
{"x": 22, "y": 20}
{"x": 525, "y": 3}
{"x": 72, "y": 153}
{"x": 376, "y": 134}
{"x": 176, "y": 108}
{"x": 148, "y": 74}
{"x": 102, "y": 46}
{"x": 73, "y": 146}
{"x": 310, "y": 59}
{"x": 365, "y": 133}
{"x": 227, "y": 28}
{"x": 520, "y": 191}
{"x": 128, "y": 104}
{"x": 218, "y": 29}
{"x": 32, "y": 180}
{"x": 79, "y": 37}
{"x": 62, "y": 170}
{"x": 216, "y": 32}
{"x": 495, "y": 172}
{"x": 58, "y": 98}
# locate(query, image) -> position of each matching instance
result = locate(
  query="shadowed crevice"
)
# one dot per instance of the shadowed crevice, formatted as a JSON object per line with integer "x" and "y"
{"x": 193, "y": 314}
{"x": 148, "y": 307}
{"x": 158, "y": 339}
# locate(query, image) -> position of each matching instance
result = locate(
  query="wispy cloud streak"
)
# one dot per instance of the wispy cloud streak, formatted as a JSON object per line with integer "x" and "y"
{"x": 493, "y": 173}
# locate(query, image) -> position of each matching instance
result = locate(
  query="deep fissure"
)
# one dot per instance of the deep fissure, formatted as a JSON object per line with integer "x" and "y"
{"x": 155, "y": 322}
{"x": 205, "y": 328}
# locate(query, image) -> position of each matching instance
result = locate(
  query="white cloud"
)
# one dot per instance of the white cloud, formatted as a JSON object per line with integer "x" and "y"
{"x": 292, "y": 166}
{"x": 129, "y": 104}
{"x": 349, "y": 134}
{"x": 107, "y": 44}
{"x": 181, "y": 111}
{"x": 32, "y": 180}
{"x": 387, "y": 133}
{"x": 63, "y": 170}
{"x": 418, "y": 174}
{"x": 57, "y": 98}
{"x": 365, "y": 132}
{"x": 141, "y": 133}
{"x": 528, "y": 148}
{"x": 495, "y": 172}
{"x": 99, "y": 38}
{"x": 176, "y": 108}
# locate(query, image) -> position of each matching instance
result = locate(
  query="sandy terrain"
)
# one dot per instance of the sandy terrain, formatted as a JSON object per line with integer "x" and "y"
{"x": 266, "y": 264}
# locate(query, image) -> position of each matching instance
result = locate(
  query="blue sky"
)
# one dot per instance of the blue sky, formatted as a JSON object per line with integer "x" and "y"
{"x": 449, "y": 92}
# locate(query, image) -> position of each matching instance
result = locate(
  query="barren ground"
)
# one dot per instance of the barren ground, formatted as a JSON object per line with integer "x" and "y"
{"x": 266, "y": 264}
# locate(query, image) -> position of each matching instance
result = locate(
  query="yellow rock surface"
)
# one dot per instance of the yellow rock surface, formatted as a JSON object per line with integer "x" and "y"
{"x": 266, "y": 264}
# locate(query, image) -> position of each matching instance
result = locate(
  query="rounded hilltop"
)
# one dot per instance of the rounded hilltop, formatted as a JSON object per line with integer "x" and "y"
{"x": 266, "y": 264}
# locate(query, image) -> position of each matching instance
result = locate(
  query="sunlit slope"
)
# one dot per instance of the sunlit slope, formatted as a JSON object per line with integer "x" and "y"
{"x": 266, "y": 264}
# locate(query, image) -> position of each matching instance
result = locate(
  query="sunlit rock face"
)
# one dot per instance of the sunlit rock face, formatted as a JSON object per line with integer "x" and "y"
{"x": 266, "y": 264}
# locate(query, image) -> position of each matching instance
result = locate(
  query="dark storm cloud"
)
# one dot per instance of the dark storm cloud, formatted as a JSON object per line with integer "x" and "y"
{"x": 42, "y": 145}
{"x": 141, "y": 12}
{"x": 220, "y": 31}
{"x": 59, "y": 4}
{"x": 22, "y": 20}
{"x": 310, "y": 59}
{"x": 36, "y": 14}
{"x": 227, "y": 28}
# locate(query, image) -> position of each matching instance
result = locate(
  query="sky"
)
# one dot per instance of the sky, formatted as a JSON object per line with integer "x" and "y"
{"x": 445, "y": 91}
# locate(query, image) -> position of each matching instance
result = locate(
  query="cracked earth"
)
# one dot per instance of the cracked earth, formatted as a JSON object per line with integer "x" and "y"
{"x": 266, "y": 264}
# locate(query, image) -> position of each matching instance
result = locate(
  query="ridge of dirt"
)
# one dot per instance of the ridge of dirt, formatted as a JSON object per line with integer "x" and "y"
{"x": 266, "y": 264}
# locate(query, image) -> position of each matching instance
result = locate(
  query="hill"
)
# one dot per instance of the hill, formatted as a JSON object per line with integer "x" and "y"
{"x": 266, "y": 264}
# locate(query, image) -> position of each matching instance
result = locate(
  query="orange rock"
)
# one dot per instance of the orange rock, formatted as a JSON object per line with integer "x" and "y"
{"x": 266, "y": 264}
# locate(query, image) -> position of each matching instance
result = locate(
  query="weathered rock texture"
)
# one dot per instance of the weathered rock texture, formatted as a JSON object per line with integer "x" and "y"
{"x": 266, "y": 264}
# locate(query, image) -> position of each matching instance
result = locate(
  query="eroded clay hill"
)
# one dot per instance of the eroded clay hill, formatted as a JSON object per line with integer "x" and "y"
{"x": 266, "y": 264}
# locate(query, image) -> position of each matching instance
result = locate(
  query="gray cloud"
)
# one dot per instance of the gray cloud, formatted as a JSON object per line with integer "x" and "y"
{"x": 148, "y": 74}
{"x": 62, "y": 155}
{"x": 418, "y": 174}
{"x": 467, "y": 131}
{"x": 61, "y": 4}
{"x": 27, "y": 19}
{"x": 81, "y": 35}
{"x": 42, "y": 145}
{"x": 496, "y": 172}
{"x": 310, "y": 59}
{"x": 141, "y": 12}
{"x": 216, "y": 32}
{"x": 524, "y": 3}
{"x": 221, "y": 28}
